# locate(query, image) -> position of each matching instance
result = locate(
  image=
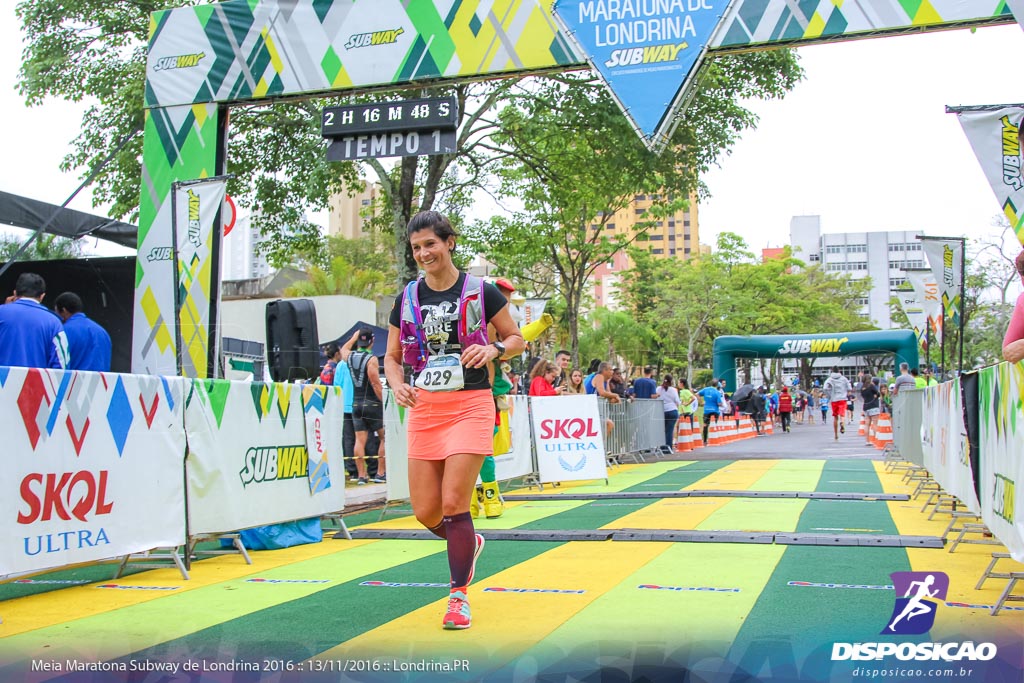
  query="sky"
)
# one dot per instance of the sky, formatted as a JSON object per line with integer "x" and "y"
{"x": 863, "y": 141}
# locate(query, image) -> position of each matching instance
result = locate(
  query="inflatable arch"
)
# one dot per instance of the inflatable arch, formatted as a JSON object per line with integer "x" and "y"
{"x": 902, "y": 343}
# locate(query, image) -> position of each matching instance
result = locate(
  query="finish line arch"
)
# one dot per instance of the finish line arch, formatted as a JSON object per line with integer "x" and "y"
{"x": 725, "y": 350}
{"x": 206, "y": 58}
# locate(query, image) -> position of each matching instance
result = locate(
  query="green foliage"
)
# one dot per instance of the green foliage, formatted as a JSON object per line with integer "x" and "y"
{"x": 43, "y": 248}
{"x": 341, "y": 278}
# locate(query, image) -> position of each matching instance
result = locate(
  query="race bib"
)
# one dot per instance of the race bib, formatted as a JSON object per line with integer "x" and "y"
{"x": 442, "y": 373}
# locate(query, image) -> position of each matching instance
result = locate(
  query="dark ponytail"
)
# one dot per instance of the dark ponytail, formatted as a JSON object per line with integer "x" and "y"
{"x": 667, "y": 383}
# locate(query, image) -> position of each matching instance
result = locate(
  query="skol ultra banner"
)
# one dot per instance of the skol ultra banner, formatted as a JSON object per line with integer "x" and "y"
{"x": 568, "y": 437}
{"x": 946, "y": 258}
{"x": 1001, "y": 407}
{"x": 926, "y": 287}
{"x": 92, "y": 466}
{"x": 995, "y": 136}
{"x": 196, "y": 208}
{"x": 248, "y": 464}
{"x": 944, "y": 439}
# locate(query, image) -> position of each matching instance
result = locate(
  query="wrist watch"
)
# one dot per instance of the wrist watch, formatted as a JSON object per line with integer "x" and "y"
{"x": 501, "y": 348}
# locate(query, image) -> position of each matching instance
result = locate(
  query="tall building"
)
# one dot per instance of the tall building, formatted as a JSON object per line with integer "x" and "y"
{"x": 239, "y": 260}
{"x": 677, "y": 236}
{"x": 882, "y": 256}
{"x": 349, "y": 214}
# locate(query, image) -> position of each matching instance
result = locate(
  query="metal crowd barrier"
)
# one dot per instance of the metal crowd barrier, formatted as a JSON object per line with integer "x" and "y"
{"x": 907, "y": 418}
{"x": 638, "y": 431}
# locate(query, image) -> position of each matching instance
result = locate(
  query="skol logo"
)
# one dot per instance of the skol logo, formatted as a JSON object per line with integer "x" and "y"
{"x": 1011, "y": 154}
{"x": 573, "y": 428}
{"x": 69, "y": 494}
{"x": 179, "y": 62}
{"x": 375, "y": 38}
{"x": 796, "y": 346}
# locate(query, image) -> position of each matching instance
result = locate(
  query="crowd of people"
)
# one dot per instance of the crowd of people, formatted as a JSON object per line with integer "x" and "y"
{"x": 34, "y": 336}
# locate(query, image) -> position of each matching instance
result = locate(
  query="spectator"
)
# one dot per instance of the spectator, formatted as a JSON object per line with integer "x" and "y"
{"x": 757, "y": 408}
{"x": 30, "y": 335}
{"x": 617, "y": 384}
{"x": 1013, "y": 342}
{"x": 340, "y": 376}
{"x": 713, "y": 399}
{"x": 919, "y": 381}
{"x": 929, "y": 378}
{"x": 872, "y": 404}
{"x": 575, "y": 383}
{"x": 562, "y": 359}
{"x": 645, "y": 387}
{"x": 785, "y": 408}
{"x": 823, "y": 405}
{"x": 367, "y": 404}
{"x": 905, "y": 380}
{"x": 542, "y": 379}
{"x": 88, "y": 343}
{"x": 599, "y": 383}
{"x": 687, "y": 400}
{"x": 670, "y": 404}
{"x": 885, "y": 398}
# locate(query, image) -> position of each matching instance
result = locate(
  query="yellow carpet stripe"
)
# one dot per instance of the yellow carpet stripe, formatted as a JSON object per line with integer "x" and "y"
{"x": 506, "y": 624}
{"x": 790, "y": 475}
{"x": 132, "y": 620}
{"x": 524, "y": 512}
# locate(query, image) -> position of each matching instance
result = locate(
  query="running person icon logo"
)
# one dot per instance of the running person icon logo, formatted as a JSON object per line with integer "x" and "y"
{"x": 918, "y": 595}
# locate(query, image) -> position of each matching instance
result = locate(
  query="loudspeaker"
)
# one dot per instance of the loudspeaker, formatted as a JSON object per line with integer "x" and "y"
{"x": 293, "y": 351}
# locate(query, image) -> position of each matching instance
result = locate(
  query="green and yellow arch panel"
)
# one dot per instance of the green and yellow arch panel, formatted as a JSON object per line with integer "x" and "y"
{"x": 725, "y": 350}
{"x": 203, "y": 59}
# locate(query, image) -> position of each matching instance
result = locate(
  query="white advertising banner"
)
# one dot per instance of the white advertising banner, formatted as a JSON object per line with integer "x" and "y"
{"x": 93, "y": 466}
{"x": 395, "y": 418}
{"x": 995, "y": 136}
{"x": 568, "y": 436}
{"x": 248, "y": 464}
{"x": 946, "y": 258}
{"x": 944, "y": 442}
{"x": 1001, "y": 418}
{"x": 196, "y": 207}
{"x": 926, "y": 287}
{"x": 914, "y": 311}
{"x": 518, "y": 461}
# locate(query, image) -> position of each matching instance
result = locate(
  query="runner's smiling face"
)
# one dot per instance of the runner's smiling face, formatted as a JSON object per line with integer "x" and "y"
{"x": 431, "y": 252}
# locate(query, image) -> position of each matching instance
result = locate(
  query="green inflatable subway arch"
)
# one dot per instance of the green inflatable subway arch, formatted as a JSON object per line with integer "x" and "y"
{"x": 902, "y": 343}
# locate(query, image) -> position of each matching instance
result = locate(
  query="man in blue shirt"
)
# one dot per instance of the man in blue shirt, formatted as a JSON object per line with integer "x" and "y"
{"x": 88, "y": 343}
{"x": 30, "y": 335}
{"x": 713, "y": 400}
{"x": 645, "y": 387}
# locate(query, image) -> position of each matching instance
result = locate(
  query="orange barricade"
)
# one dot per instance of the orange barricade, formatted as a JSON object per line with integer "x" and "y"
{"x": 683, "y": 435}
{"x": 883, "y": 432}
{"x": 860, "y": 430}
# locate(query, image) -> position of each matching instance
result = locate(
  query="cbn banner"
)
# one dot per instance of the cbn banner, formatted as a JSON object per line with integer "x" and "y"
{"x": 946, "y": 258}
{"x": 1001, "y": 407}
{"x": 927, "y": 290}
{"x": 995, "y": 136}
{"x": 248, "y": 463}
{"x": 196, "y": 208}
{"x": 944, "y": 442}
{"x": 568, "y": 436}
{"x": 92, "y": 466}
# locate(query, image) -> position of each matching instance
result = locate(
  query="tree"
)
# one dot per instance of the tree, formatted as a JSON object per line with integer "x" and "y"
{"x": 571, "y": 159}
{"x": 341, "y": 278}
{"x": 43, "y": 248}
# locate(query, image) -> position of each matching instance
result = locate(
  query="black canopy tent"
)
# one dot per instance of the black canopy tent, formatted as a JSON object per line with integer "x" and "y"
{"x": 22, "y": 212}
{"x": 380, "y": 338}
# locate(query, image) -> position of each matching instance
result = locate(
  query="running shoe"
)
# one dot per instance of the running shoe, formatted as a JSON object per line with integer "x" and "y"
{"x": 362, "y": 481}
{"x": 842, "y": 429}
{"x": 458, "y": 612}
{"x": 380, "y": 479}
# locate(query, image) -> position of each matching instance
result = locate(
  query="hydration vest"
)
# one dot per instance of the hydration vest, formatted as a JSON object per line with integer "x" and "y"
{"x": 471, "y": 326}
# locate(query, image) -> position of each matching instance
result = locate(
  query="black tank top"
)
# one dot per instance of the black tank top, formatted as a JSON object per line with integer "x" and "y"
{"x": 363, "y": 389}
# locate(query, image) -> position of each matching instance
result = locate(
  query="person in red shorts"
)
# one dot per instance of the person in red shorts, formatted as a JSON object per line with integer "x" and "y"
{"x": 837, "y": 388}
{"x": 438, "y": 328}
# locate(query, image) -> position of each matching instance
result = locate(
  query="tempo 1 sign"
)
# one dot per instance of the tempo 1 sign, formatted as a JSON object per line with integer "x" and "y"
{"x": 391, "y": 129}
{"x": 397, "y": 144}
